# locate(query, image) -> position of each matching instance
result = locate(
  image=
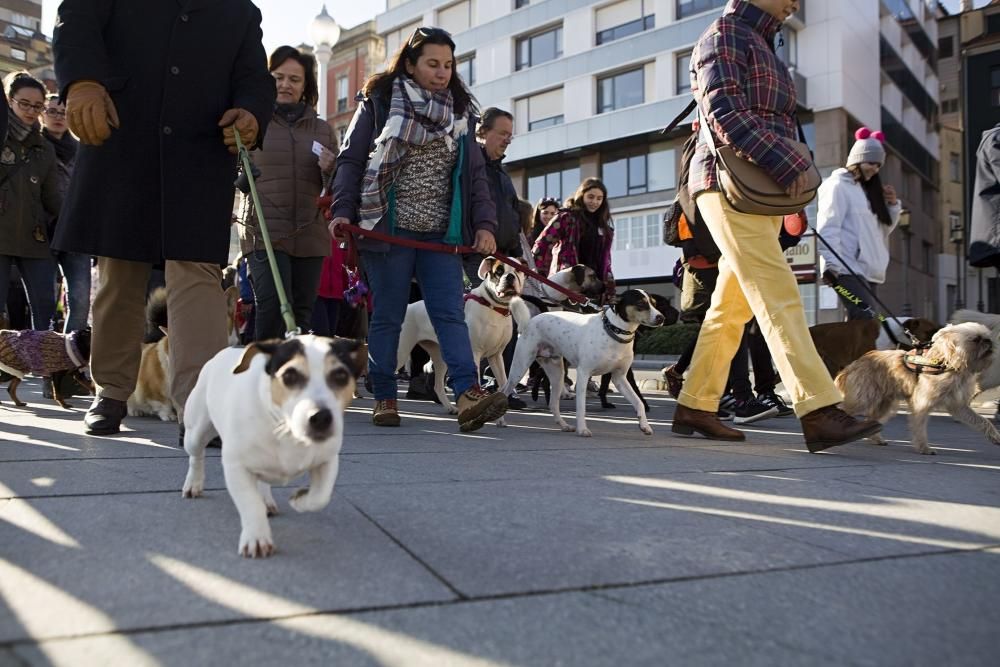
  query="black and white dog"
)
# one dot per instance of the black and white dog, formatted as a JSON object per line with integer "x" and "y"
{"x": 593, "y": 344}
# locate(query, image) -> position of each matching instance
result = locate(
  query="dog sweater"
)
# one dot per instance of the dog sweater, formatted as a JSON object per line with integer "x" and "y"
{"x": 37, "y": 352}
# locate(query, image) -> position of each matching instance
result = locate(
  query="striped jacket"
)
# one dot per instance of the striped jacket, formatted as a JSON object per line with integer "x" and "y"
{"x": 747, "y": 94}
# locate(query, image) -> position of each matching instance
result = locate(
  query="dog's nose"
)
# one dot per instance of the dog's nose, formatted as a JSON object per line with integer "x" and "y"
{"x": 658, "y": 319}
{"x": 321, "y": 420}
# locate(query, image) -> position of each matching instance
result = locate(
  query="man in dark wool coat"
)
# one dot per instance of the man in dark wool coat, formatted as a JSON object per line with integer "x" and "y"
{"x": 153, "y": 90}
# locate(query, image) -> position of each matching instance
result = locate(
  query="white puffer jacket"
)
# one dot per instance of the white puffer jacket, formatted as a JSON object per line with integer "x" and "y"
{"x": 848, "y": 224}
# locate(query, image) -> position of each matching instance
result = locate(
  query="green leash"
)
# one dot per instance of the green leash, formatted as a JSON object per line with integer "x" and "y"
{"x": 286, "y": 308}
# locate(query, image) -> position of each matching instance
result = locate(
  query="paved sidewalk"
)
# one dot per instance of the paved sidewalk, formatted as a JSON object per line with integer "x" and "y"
{"x": 517, "y": 546}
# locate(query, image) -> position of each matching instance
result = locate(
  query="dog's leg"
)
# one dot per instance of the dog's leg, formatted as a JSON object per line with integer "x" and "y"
{"x": 602, "y": 393}
{"x": 440, "y": 370}
{"x": 198, "y": 430}
{"x": 317, "y": 496}
{"x": 500, "y": 373}
{"x": 12, "y": 390}
{"x": 965, "y": 414}
{"x": 56, "y": 380}
{"x": 640, "y": 409}
{"x": 882, "y": 413}
{"x": 265, "y": 494}
{"x": 919, "y": 412}
{"x": 582, "y": 376}
{"x": 554, "y": 372}
{"x": 255, "y": 535}
{"x": 630, "y": 376}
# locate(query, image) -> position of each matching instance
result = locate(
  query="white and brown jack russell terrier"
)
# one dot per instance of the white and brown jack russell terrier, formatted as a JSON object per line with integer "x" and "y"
{"x": 593, "y": 344}
{"x": 279, "y": 409}
{"x": 487, "y": 314}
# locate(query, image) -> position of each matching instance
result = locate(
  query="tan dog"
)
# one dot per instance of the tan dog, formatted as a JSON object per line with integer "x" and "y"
{"x": 840, "y": 343}
{"x": 874, "y": 384}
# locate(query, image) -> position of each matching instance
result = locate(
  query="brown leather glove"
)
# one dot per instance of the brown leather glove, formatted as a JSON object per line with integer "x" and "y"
{"x": 90, "y": 113}
{"x": 245, "y": 122}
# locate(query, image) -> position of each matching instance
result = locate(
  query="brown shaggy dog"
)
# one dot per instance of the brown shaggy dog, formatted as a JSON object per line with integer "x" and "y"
{"x": 874, "y": 384}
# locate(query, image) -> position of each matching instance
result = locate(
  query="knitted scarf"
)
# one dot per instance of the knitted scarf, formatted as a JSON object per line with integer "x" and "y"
{"x": 416, "y": 117}
{"x": 18, "y": 129}
{"x": 65, "y": 147}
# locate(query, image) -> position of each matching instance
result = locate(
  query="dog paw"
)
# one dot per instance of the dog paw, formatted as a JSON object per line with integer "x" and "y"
{"x": 501, "y": 423}
{"x": 256, "y": 545}
{"x": 272, "y": 508}
{"x": 584, "y": 432}
{"x": 301, "y": 501}
{"x": 647, "y": 429}
{"x": 566, "y": 428}
{"x": 926, "y": 450}
{"x": 452, "y": 409}
{"x": 192, "y": 488}
{"x": 877, "y": 439}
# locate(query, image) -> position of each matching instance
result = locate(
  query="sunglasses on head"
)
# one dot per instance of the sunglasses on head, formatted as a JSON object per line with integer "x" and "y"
{"x": 548, "y": 201}
{"x": 422, "y": 34}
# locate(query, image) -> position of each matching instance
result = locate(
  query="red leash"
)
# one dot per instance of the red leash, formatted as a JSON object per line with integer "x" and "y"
{"x": 356, "y": 231}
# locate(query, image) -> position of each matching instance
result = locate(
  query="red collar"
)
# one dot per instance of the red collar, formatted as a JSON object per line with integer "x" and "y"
{"x": 478, "y": 299}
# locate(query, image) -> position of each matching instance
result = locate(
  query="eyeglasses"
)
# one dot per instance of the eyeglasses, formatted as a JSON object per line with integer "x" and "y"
{"x": 422, "y": 34}
{"x": 55, "y": 113}
{"x": 26, "y": 105}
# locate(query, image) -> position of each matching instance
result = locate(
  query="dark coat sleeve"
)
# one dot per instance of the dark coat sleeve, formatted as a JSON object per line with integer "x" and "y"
{"x": 4, "y": 121}
{"x": 253, "y": 85}
{"x": 484, "y": 212}
{"x": 78, "y": 43}
{"x": 351, "y": 163}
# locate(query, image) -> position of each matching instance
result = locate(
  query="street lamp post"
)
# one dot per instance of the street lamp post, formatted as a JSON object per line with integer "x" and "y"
{"x": 904, "y": 226}
{"x": 325, "y": 33}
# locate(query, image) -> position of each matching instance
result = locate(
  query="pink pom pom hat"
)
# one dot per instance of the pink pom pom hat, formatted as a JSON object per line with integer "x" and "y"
{"x": 867, "y": 148}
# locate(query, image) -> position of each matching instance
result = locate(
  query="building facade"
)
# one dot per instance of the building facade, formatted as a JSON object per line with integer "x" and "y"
{"x": 591, "y": 85}
{"x": 22, "y": 44}
{"x": 357, "y": 55}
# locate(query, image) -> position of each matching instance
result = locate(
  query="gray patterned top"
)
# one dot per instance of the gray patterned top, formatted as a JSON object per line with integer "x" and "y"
{"x": 423, "y": 187}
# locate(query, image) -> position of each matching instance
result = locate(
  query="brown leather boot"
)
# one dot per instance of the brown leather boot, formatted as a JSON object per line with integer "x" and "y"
{"x": 673, "y": 380}
{"x": 477, "y": 406}
{"x": 386, "y": 413}
{"x": 688, "y": 421}
{"x": 831, "y": 426}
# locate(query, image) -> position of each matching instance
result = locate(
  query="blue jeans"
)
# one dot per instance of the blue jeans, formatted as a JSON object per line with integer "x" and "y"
{"x": 76, "y": 272}
{"x": 440, "y": 279}
{"x": 39, "y": 278}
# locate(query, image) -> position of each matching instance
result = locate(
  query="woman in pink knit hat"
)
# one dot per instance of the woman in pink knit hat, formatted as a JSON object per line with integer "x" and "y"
{"x": 856, "y": 215}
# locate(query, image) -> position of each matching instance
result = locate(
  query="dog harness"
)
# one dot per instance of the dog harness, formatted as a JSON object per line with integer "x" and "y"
{"x": 915, "y": 362}
{"x": 480, "y": 300}
{"x": 38, "y": 352}
{"x": 617, "y": 333}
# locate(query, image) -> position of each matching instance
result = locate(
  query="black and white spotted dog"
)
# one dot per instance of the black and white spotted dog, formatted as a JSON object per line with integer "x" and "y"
{"x": 593, "y": 344}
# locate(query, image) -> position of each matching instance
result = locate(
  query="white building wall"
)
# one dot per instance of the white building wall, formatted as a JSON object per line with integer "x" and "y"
{"x": 578, "y": 31}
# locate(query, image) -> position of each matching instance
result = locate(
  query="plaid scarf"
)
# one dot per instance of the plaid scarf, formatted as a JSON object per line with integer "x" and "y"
{"x": 416, "y": 117}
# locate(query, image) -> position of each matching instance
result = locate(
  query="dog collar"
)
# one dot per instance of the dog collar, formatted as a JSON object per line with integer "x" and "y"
{"x": 617, "y": 333}
{"x": 480, "y": 300}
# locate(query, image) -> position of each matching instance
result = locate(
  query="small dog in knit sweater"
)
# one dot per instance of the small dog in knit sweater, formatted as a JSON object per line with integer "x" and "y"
{"x": 45, "y": 354}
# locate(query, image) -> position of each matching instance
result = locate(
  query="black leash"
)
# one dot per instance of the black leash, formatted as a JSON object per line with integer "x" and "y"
{"x": 846, "y": 293}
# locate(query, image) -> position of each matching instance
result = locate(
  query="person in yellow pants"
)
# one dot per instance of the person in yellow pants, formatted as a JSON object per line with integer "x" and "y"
{"x": 754, "y": 114}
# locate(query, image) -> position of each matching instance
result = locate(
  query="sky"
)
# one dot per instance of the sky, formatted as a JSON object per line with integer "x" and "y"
{"x": 285, "y": 21}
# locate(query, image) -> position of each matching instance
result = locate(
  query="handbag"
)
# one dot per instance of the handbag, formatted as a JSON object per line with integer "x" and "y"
{"x": 750, "y": 189}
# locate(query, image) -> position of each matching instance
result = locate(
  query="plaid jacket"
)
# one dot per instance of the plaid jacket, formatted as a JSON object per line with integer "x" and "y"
{"x": 747, "y": 94}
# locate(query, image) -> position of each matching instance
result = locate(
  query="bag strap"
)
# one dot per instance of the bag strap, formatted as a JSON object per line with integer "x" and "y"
{"x": 681, "y": 116}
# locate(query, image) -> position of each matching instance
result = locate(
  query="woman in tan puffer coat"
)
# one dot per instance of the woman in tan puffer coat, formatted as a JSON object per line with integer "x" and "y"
{"x": 292, "y": 177}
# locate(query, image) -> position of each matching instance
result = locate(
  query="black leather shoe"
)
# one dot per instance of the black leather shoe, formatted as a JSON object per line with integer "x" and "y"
{"x": 105, "y": 416}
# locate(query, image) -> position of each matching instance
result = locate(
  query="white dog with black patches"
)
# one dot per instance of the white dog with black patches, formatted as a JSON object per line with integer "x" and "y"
{"x": 593, "y": 344}
{"x": 279, "y": 408}
{"x": 487, "y": 315}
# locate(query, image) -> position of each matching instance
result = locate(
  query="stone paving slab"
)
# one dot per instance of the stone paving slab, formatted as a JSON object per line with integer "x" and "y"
{"x": 849, "y": 614}
{"x": 130, "y": 558}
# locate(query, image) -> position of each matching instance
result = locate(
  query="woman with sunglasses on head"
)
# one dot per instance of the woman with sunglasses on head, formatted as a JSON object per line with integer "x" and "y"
{"x": 425, "y": 180}
{"x": 29, "y": 197}
{"x": 74, "y": 266}
{"x": 581, "y": 233}
{"x": 291, "y": 178}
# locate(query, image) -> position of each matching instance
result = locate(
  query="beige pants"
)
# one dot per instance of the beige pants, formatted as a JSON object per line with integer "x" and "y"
{"x": 754, "y": 280}
{"x": 197, "y": 324}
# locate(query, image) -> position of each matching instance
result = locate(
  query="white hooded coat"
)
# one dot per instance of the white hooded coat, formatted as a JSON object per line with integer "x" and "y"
{"x": 847, "y": 222}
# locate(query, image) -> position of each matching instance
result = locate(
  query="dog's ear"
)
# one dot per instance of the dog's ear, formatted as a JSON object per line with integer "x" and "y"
{"x": 353, "y": 353}
{"x": 484, "y": 267}
{"x": 579, "y": 272}
{"x": 252, "y": 350}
